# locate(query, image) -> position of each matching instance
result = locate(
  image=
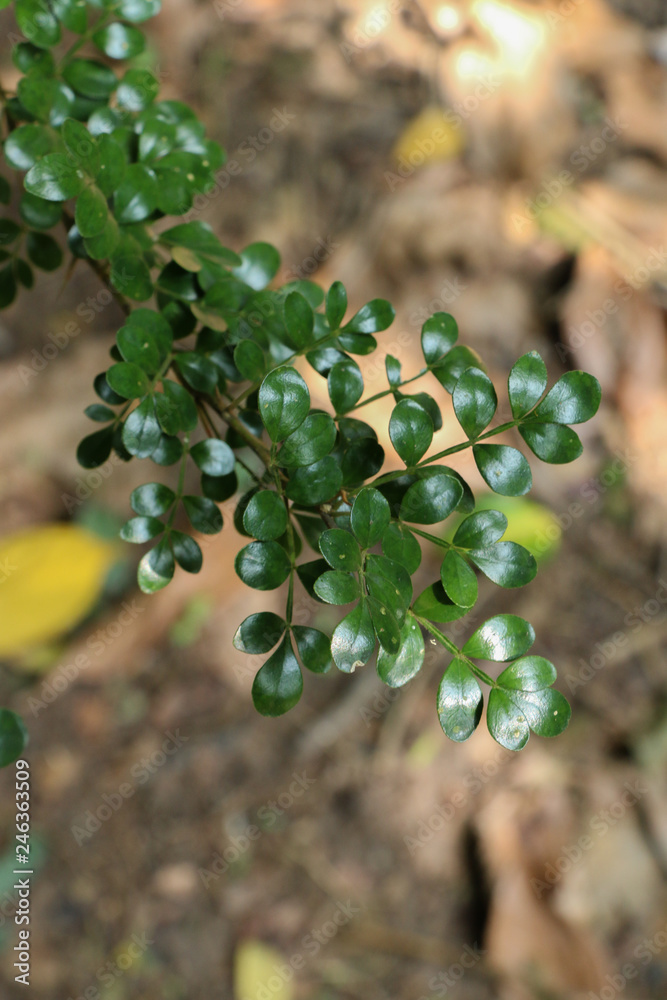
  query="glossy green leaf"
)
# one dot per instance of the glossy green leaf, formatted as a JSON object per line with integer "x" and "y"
{"x": 386, "y": 625}
{"x": 259, "y": 633}
{"x": 340, "y": 550}
{"x": 7, "y": 286}
{"x": 393, "y": 369}
{"x": 138, "y": 10}
{"x": 504, "y": 469}
{"x": 39, "y": 213}
{"x": 100, "y": 414}
{"x": 48, "y": 100}
{"x": 574, "y": 399}
{"x": 299, "y": 320}
{"x": 53, "y": 178}
{"x": 260, "y": 263}
{"x": 187, "y": 553}
{"x": 37, "y": 23}
{"x": 337, "y": 587}
{"x": 103, "y": 245}
{"x": 459, "y": 702}
{"x": 81, "y": 147}
{"x": 438, "y": 336}
{"x": 458, "y": 579}
{"x": 168, "y": 451}
{"x": 400, "y": 545}
{"x": 506, "y": 563}
{"x": 95, "y": 449}
{"x": 481, "y": 529}
{"x": 506, "y": 721}
{"x": 474, "y": 400}
{"x": 389, "y": 583}
{"x": 554, "y": 443}
{"x": 449, "y": 370}
{"x": 137, "y": 196}
{"x": 431, "y": 500}
{"x": 314, "y": 648}
{"x": 112, "y": 166}
{"x": 156, "y": 568}
{"x": 398, "y": 668}
{"x": 503, "y": 637}
{"x": 526, "y": 383}
{"x": 531, "y": 673}
{"x": 547, "y": 712}
{"x": 199, "y": 372}
{"x": 434, "y": 605}
{"x": 141, "y": 431}
{"x": 137, "y": 90}
{"x": 370, "y": 517}
{"x": 213, "y": 457}
{"x": 141, "y": 529}
{"x": 203, "y": 514}
{"x": 72, "y": 14}
{"x": 265, "y": 517}
{"x": 152, "y": 499}
{"x": 119, "y": 41}
{"x": 175, "y": 408}
{"x": 143, "y": 345}
{"x": 131, "y": 276}
{"x": 314, "y": 484}
{"x": 262, "y": 565}
{"x": 312, "y": 441}
{"x": 411, "y": 431}
{"x": 346, "y": 384}
{"x": 128, "y": 380}
{"x": 361, "y": 460}
{"x": 278, "y": 684}
{"x": 43, "y": 251}
{"x": 200, "y": 238}
{"x": 91, "y": 212}
{"x": 26, "y": 145}
{"x": 13, "y": 737}
{"x": 336, "y": 305}
{"x": 374, "y": 317}
{"x": 353, "y": 640}
{"x": 90, "y": 78}
{"x": 250, "y": 360}
{"x": 284, "y": 402}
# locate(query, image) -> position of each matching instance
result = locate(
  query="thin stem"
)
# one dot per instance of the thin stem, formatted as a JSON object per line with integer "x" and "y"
{"x": 432, "y": 538}
{"x": 392, "y": 389}
{"x": 455, "y": 651}
{"x": 467, "y": 444}
{"x": 181, "y": 480}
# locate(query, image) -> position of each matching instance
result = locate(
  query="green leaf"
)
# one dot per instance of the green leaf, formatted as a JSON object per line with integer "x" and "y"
{"x": 128, "y": 380}
{"x": 506, "y": 721}
{"x": 399, "y": 668}
{"x": 81, "y": 146}
{"x": 337, "y": 587}
{"x": 213, "y": 457}
{"x": 143, "y": 343}
{"x": 480, "y": 529}
{"x": 48, "y": 100}
{"x": 91, "y": 212}
{"x": 90, "y": 78}
{"x": 434, "y": 605}
{"x": 336, "y": 305}
{"x": 219, "y": 488}
{"x": 532, "y": 673}
{"x": 39, "y": 213}
{"x": 43, "y": 251}
{"x": 141, "y": 529}
{"x": 449, "y": 370}
{"x": 175, "y": 408}
{"x": 136, "y": 197}
{"x": 375, "y": 316}
{"x": 346, "y": 384}
{"x": 278, "y": 684}
{"x": 23, "y": 273}
{"x": 393, "y": 369}
{"x": 314, "y": 484}
{"x": 411, "y": 431}
{"x": 389, "y": 583}
{"x": 526, "y": 384}
{"x": 113, "y": 165}
{"x": 284, "y": 402}
{"x": 103, "y": 245}
{"x": 574, "y": 399}
{"x": 265, "y": 517}
{"x": 199, "y": 372}
{"x": 357, "y": 343}
{"x": 8, "y": 232}
{"x": 459, "y": 701}
{"x": 431, "y": 500}
{"x": 13, "y": 737}
{"x": 474, "y": 400}
{"x": 386, "y": 625}
{"x": 299, "y": 320}
{"x": 340, "y": 550}
{"x": 370, "y": 517}
{"x": 53, "y": 178}
{"x": 439, "y": 334}
{"x": 37, "y": 23}
{"x": 137, "y": 90}
{"x": 503, "y": 637}
{"x": 7, "y": 286}
{"x": 203, "y": 514}
{"x": 26, "y": 145}
{"x": 156, "y": 568}
{"x": 152, "y": 499}
{"x": 101, "y": 414}
{"x": 141, "y": 431}
{"x": 200, "y": 238}
{"x": 260, "y": 263}
{"x": 95, "y": 449}
{"x": 156, "y": 139}
{"x": 168, "y": 451}
{"x": 400, "y": 545}
{"x": 26, "y": 56}
{"x": 312, "y": 441}
{"x": 187, "y": 553}
{"x": 353, "y": 640}
{"x": 362, "y": 459}
{"x": 458, "y": 579}
{"x": 314, "y": 648}
{"x": 131, "y": 276}
{"x": 138, "y": 10}
{"x": 259, "y": 633}
{"x": 554, "y": 443}
{"x": 250, "y": 360}
{"x": 119, "y": 41}
{"x": 503, "y": 469}
{"x": 505, "y": 563}
{"x": 547, "y": 712}
{"x": 71, "y": 13}
{"x": 262, "y": 565}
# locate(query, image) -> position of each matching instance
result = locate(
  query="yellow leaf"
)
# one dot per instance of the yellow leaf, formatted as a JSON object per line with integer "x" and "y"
{"x": 261, "y": 971}
{"x": 428, "y": 138}
{"x": 50, "y": 579}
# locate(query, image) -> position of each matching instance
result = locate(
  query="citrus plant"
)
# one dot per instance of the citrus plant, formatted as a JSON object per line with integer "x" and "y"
{"x": 209, "y": 374}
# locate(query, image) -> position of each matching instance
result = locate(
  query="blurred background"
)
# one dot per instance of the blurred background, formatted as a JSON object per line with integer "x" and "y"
{"x": 505, "y": 162}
